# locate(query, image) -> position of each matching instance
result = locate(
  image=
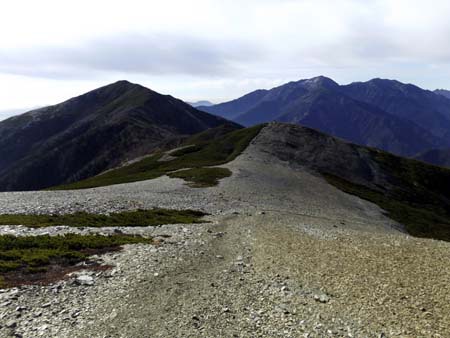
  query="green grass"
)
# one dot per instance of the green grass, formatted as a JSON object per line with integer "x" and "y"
{"x": 202, "y": 177}
{"x": 211, "y": 148}
{"x": 21, "y": 257}
{"x": 123, "y": 219}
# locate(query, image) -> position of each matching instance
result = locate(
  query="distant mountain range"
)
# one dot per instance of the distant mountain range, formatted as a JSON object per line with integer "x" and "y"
{"x": 401, "y": 118}
{"x": 201, "y": 103}
{"x": 106, "y": 127}
{"x": 88, "y": 134}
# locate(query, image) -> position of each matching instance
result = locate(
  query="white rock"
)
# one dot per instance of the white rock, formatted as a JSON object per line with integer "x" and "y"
{"x": 85, "y": 280}
{"x": 323, "y": 298}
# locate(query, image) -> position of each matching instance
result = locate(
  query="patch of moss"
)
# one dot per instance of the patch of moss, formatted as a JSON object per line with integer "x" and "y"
{"x": 202, "y": 177}
{"x": 122, "y": 219}
{"x": 35, "y": 254}
{"x": 210, "y": 148}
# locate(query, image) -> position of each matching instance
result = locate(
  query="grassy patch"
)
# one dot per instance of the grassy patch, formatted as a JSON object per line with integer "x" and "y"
{"x": 123, "y": 219}
{"x": 210, "y": 148}
{"x": 202, "y": 177}
{"x": 33, "y": 258}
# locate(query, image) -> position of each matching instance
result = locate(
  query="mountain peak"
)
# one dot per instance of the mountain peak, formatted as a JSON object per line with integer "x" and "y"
{"x": 318, "y": 82}
{"x": 92, "y": 132}
{"x": 122, "y": 84}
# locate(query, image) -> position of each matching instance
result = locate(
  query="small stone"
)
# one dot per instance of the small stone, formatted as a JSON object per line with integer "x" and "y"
{"x": 323, "y": 298}
{"x": 85, "y": 280}
{"x": 156, "y": 274}
{"x": 43, "y": 328}
{"x": 11, "y": 324}
{"x": 219, "y": 256}
{"x": 113, "y": 315}
{"x": 46, "y": 305}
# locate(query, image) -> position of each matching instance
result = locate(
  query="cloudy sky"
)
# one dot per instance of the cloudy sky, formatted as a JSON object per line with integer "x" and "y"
{"x": 51, "y": 50}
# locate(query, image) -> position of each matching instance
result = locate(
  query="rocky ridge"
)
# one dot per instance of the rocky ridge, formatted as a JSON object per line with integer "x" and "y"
{"x": 284, "y": 255}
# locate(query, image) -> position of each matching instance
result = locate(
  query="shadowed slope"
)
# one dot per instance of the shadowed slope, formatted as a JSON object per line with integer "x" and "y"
{"x": 90, "y": 133}
{"x": 414, "y": 193}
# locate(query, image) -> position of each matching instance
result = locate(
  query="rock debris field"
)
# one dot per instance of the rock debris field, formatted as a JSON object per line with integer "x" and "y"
{"x": 282, "y": 254}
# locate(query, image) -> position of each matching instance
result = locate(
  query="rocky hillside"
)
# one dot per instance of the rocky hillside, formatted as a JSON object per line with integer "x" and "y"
{"x": 87, "y": 134}
{"x": 388, "y": 115}
{"x": 415, "y": 194}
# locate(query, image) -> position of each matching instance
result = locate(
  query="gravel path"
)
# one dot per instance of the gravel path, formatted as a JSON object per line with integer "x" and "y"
{"x": 285, "y": 255}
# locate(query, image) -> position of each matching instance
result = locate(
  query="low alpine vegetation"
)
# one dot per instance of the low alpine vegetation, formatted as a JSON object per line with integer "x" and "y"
{"x": 121, "y": 219}
{"x": 212, "y": 147}
{"x": 30, "y": 259}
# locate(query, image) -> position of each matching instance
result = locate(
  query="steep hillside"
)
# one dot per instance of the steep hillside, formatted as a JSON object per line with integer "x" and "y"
{"x": 322, "y": 104}
{"x": 192, "y": 162}
{"x": 90, "y": 133}
{"x": 413, "y": 193}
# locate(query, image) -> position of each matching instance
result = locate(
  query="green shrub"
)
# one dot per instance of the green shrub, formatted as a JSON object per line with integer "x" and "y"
{"x": 123, "y": 219}
{"x": 33, "y": 254}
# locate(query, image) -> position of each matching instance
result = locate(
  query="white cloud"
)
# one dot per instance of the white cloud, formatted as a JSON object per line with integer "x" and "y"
{"x": 215, "y": 49}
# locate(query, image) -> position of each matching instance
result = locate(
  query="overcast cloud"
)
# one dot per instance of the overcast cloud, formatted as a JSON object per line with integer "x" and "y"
{"x": 51, "y": 50}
